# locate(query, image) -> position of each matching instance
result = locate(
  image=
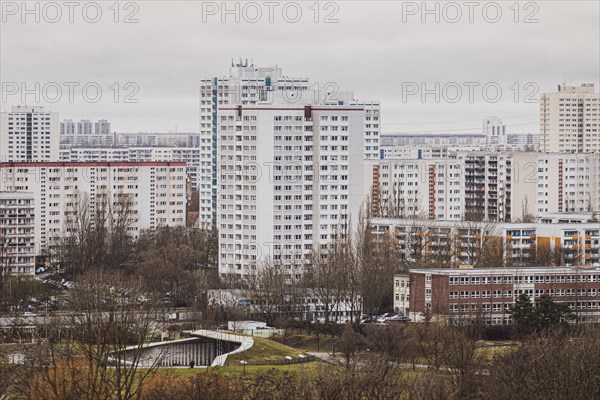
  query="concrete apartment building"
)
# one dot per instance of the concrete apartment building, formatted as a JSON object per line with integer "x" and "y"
{"x": 523, "y": 244}
{"x": 488, "y": 294}
{"x": 85, "y": 127}
{"x": 191, "y": 156}
{"x": 290, "y": 179}
{"x": 500, "y": 187}
{"x": 17, "y": 233}
{"x": 152, "y": 193}
{"x": 248, "y": 84}
{"x": 432, "y": 139}
{"x": 28, "y": 134}
{"x": 495, "y": 131}
{"x": 105, "y": 138}
{"x": 570, "y": 120}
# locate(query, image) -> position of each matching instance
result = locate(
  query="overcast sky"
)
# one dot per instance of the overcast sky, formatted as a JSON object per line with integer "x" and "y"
{"x": 370, "y": 50}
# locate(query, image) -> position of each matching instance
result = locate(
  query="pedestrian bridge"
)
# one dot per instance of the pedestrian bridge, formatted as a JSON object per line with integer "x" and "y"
{"x": 204, "y": 348}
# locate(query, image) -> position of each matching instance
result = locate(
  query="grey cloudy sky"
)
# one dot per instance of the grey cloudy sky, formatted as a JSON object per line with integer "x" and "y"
{"x": 370, "y": 50}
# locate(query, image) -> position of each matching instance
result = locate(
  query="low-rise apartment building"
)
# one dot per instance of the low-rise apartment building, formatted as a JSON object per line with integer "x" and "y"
{"x": 517, "y": 244}
{"x": 488, "y": 294}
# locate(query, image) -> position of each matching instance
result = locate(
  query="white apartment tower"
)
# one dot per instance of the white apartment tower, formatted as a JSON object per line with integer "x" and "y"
{"x": 85, "y": 127}
{"x": 28, "y": 134}
{"x": 246, "y": 84}
{"x": 290, "y": 180}
{"x": 570, "y": 120}
{"x": 249, "y": 84}
{"x": 102, "y": 127}
{"x": 494, "y": 131}
{"x": 67, "y": 127}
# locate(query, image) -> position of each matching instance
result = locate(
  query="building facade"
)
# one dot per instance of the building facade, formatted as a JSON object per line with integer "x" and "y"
{"x": 248, "y": 84}
{"x": 104, "y": 138}
{"x": 495, "y": 131}
{"x": 570, "y": 120}
{"x": 290, "y": 180}
{"x": 28, "y": 134}
{"x": 432, "y": 139}
{"x": 151, "y": 194}
{"x": 488, "y": 294}
{"x": 401, "y": 294}
{"x": 190, "y": 155}
{"x": 17, "y": 233}
{"x": 522, "y": 244}
{"x": 490, "y": 186}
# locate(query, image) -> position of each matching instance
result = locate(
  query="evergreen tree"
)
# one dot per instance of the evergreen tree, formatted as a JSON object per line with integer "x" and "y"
{"x": 522, "y": 312}
{"x": 548, "y": 313}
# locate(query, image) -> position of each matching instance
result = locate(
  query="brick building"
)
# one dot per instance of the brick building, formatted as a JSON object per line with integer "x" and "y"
{"x": 488, "y": 293}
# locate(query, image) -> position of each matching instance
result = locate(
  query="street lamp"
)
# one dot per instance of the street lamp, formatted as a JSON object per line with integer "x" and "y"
{"x": 244, "y": 362}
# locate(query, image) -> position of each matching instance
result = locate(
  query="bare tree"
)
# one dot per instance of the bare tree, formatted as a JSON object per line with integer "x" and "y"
{"x": 377, "y": 261}
{"x": 95, "y": 234}
{"x": 474, "y": 243}
{"x": 98, "y": 351}
{"x": 270, "y": 292}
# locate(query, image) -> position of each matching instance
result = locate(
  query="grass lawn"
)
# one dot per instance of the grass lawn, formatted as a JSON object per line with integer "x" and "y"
{"x": 251, "y": 370}
{"x": 265, "y": 350}
{"x": 488, "y": 350}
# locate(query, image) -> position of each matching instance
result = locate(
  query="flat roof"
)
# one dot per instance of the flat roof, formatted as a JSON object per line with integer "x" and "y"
{"x": 505, "y": 271}
{"x": 43, "y": 164}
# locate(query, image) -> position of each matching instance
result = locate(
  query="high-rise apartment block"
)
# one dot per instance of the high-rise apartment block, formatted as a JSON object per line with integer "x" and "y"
{"x": 290, "y": 180}
{"x": 17, "y": 233}
{"x": 570, "y": 120}
{"x": 85, "y": 127}
{"x": 501, "y": 186}
{"x": 494, "y": 131}
{"x": 189, "y": 155}
{"x": 102, "y": 127}
{"x": 248, "y": 84}
{"x": 151, "y": 194}
{"x": 28, "y": 134}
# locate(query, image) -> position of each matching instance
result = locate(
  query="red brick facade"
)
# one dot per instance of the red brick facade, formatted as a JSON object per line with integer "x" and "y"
{"x": 488, "y": 293}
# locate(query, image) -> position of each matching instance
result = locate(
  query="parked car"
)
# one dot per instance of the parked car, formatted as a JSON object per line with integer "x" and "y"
{"x": 384, "y": 317}
{"x": 397, "y": 318}
{"x": 29, "y": 314}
